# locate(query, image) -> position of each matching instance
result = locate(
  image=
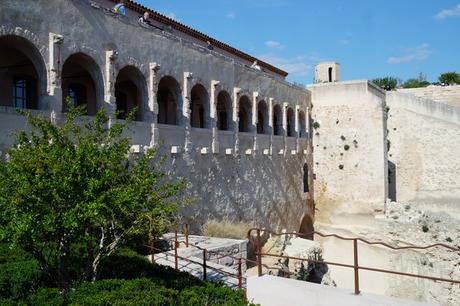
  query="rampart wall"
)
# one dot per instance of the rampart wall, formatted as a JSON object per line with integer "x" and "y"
{"x": 246, "y": 156}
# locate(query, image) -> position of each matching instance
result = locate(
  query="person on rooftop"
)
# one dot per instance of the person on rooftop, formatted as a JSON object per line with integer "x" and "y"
{"x": 120, "y": 8}
{"x": 145, "y": 19}
{"x": 256, "y": 66}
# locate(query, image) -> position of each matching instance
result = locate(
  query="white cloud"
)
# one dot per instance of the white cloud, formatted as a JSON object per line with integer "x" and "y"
{"x": 296, "y": 66}
{"x": 419, "y": 53}
{"x": 231, "y": 15}
{"x": 453, "y": 12}
{"x": 274, "y": 45}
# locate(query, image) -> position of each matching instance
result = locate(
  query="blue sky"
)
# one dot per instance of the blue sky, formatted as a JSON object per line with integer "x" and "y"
{"x": 400, "y": 38}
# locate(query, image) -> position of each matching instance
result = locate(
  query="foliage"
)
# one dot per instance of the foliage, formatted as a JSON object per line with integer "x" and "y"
{"x": 226, "y": 229}
{"x": 316, "y": 125}
{"x": 73, "y": 191}
{"x": 417, "y": 82}
{"x": 386, "y": 83}
{"x": 137, "y": 282}
{"x": 19, "y": 273}
{"x": 126, "y": 264}
{"x": 450, "y": 78}
{"x": 139, "y": 292}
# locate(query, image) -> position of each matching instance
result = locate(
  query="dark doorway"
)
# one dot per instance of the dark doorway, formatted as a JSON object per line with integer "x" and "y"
{"x": 392, "y": 181}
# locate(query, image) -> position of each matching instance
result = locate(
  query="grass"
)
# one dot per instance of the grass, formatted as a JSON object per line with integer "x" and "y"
{"x": 226, "y": 229}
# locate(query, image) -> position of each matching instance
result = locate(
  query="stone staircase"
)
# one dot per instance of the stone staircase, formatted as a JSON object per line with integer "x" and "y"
{"x": 222, "y": 264}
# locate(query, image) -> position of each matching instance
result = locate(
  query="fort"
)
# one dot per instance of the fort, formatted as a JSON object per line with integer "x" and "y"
{"x": 337, "y": 155}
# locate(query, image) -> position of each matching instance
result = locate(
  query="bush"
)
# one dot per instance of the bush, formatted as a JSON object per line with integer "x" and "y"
{"x": 19, "y": 274}
{"x": 18, "y": 279}
{"x": 212, "y": 294}
{"x": 136, "y": 292}
{"x": 123, "y": 292}
{"x": 126, "y": 264}
{"x": 226, "y": 229}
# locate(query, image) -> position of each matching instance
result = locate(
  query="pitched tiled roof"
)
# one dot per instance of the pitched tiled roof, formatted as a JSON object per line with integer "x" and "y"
{"x": 198, "y": 35}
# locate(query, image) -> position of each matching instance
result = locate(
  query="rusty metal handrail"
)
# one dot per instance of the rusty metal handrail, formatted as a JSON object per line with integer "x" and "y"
{"x": 356, "y": 267}
{"x": 204, "y": 264}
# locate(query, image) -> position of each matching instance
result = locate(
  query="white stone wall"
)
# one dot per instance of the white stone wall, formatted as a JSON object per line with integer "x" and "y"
{"x": 349, "y": 148}
{"x": 425, "y": 142}
{"x": 240, "y": 179}
{"x": 443, "y": 94}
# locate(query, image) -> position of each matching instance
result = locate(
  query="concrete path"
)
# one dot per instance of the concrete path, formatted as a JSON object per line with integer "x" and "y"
{"x": 274, "y": 291}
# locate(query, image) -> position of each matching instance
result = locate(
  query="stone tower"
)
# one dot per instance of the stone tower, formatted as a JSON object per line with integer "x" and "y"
{"x": 327, "y": 72}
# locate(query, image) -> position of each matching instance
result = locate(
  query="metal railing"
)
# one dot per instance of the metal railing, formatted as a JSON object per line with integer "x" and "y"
{"x": 239, "y": 276}
{"x": 355, "y": 266}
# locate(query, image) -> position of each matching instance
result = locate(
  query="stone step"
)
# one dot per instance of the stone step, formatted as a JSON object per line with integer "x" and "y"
{"x": 193, "y": 265}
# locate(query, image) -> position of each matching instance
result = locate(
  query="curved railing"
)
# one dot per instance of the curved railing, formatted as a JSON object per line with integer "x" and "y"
{"x": 356, "y": 267}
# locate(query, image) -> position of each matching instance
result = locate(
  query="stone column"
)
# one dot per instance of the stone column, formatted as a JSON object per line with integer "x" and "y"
{"x": 297, "y": 127}
{"x": 285, "y": 126}
{"x": 110, "y": 106}
{"x": 271, "y": 124}
{"x": 152, "y": 113}
{"x": 236, "y": 121}
{"x": 255, "y": 119}
{"x": 213, "y": 114}
{"x": 55, "y": 90}
{"x": 186, "y": 112}
{"x": 285, "y": 107}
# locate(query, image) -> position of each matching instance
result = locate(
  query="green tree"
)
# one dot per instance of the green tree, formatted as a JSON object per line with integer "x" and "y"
{"x": 386, "y": 83}
{"x": 73, "y": 193}
{"x": 450, "y": 78}
{"x": 416, "y": 83}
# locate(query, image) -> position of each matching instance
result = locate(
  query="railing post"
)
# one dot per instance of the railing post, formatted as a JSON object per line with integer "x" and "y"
{"x": 240, "y": 275}
{"x": 356, "y": 266}
{"x": 176, "y": 262}
{"x": 186, "y": 234}
{"x": 259, "y": 254}
{"x": 204, "y": 264}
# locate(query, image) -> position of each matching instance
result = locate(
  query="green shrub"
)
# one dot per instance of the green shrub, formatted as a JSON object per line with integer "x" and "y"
{"x": 18, "y": 279}
{"x": 127, "y": 264}
{"x": 123, "y": 292}
{"x": 212, "y": 294}
{"x": 46, "y": 296}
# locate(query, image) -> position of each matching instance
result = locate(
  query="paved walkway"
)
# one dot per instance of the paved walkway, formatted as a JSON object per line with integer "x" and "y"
{"x": 274, "y": 291}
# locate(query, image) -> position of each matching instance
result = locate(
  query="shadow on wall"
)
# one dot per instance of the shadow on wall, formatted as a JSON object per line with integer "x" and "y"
{"x": 392, "y": 181}
{"x": 307, "y": 227}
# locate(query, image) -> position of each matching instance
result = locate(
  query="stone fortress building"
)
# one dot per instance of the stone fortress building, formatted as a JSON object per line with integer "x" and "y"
{"x": 239, "y": 135}
{"x": 252, "y": 146}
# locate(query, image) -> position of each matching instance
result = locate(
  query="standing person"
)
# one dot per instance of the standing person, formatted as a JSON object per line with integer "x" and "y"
{"x": 120, "y": 8}
{"x": 145, "y": 19}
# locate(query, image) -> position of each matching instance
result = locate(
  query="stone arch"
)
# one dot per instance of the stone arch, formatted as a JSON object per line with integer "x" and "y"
{"x": 244, "y": 114}
{"x": 130, "y": 92}
{"x": 23, "y": 76}
{"x": 262, "y": 118}
{"x": 329, "y": 71}
{"x": 290, "y": 122}
{"x": 223, "y": 111}
{"x": 169, "y": 101}
{"x": 82, "y": 82}
{"x": 302, "y": 125}
{"x": 277, "y": 120}
{"x": 199, "y": 107}
{"x": 306, "y": 227}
